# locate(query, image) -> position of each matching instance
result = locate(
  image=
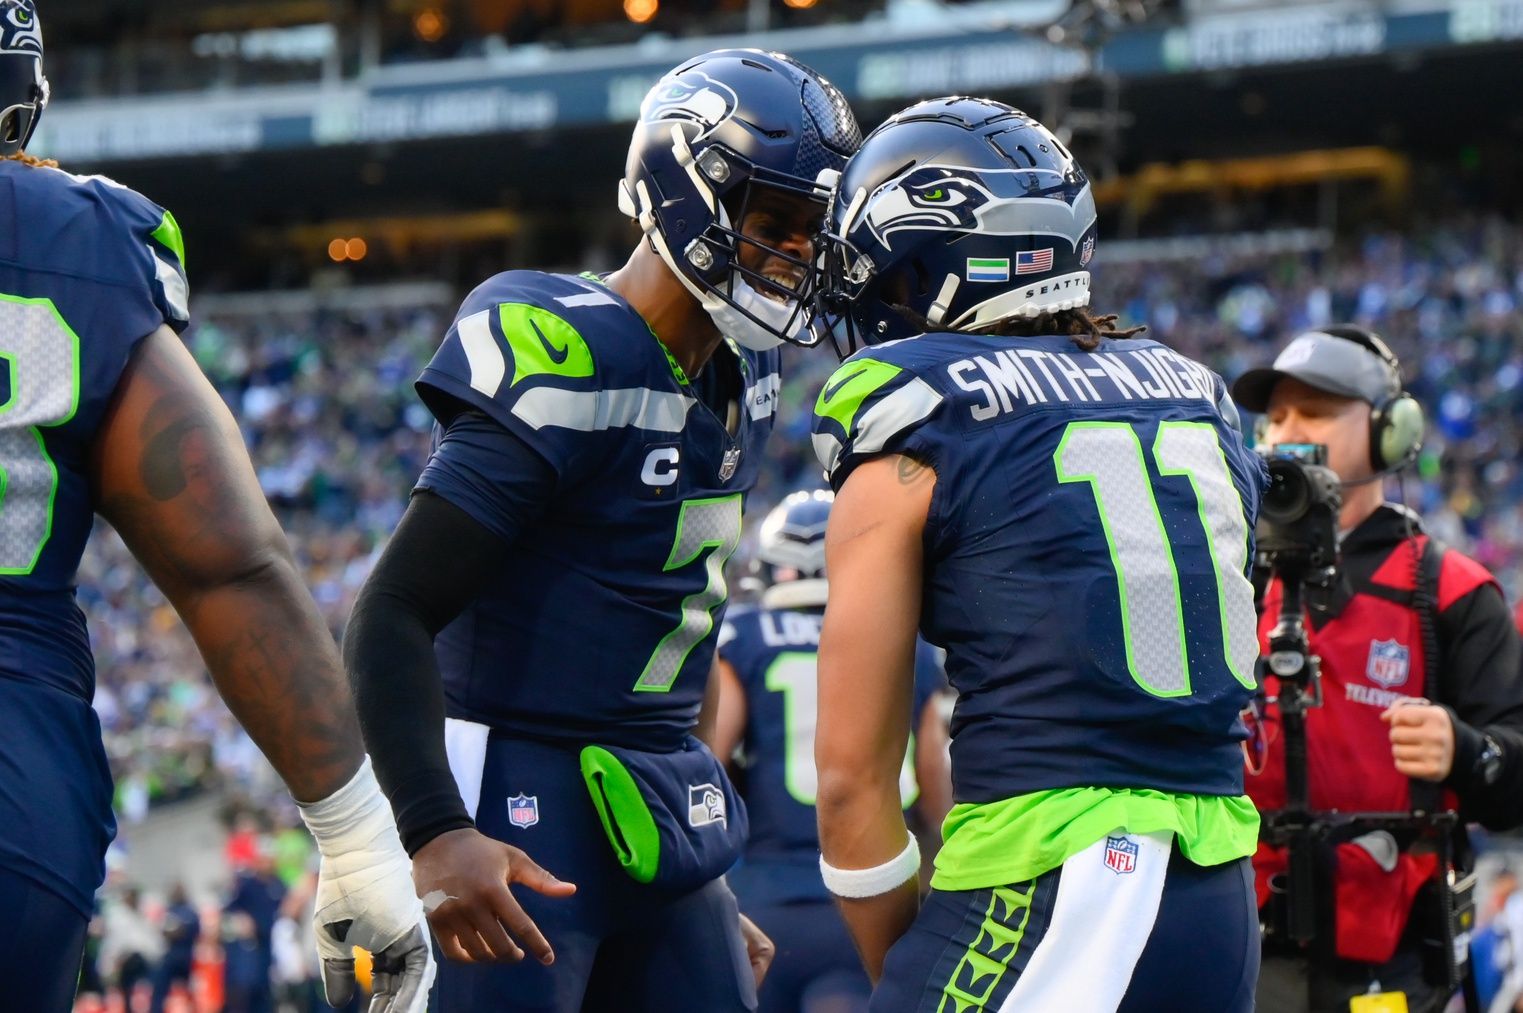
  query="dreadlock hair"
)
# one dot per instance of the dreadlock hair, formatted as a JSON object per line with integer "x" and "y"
{"x": 33, "y": 161}
{"x": 1081, "y": 326}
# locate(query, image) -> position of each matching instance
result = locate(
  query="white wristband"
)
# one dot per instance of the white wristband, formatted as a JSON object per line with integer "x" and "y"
{"x": 859, "y": 884}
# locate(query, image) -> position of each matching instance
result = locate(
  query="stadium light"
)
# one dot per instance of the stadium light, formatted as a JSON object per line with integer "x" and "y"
{"x": 800, "y": 5}
{"x": 356, "y": 249}
{"x": 338, "y": 251}
{"x": 430, "y": 24}
{"x": 641, "y": 11}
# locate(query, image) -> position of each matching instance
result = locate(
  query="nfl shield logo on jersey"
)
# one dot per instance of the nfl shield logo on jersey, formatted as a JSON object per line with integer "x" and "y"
{"x": 1120, "y": 855}
{"x": 523, "y": 810}
{"x": 705, "y": 805}
{"x": 1388, "y": 664}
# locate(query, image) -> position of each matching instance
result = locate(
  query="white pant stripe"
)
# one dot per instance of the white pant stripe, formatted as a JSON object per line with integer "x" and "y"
{"x": 1101, "y": 920}
{"x": 465, "y": 745}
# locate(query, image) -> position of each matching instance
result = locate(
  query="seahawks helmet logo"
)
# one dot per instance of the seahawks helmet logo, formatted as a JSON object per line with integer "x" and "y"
{"x": 20, "y": 31}
{"x": 693, "y": 98}
{"x": 928, "y": 198}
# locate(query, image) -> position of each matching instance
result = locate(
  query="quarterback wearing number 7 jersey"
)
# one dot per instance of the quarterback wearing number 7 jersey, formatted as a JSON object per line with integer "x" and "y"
{"x": 1067, "y": 510}
{"x": 565, "y": 554}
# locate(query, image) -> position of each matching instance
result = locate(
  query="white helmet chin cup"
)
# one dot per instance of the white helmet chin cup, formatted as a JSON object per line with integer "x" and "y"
{"x": 782, "y": 317}
{"x": 729, "y": 319}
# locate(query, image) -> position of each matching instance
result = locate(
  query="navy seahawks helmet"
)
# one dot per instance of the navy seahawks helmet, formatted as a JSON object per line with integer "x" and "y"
{"x": 711, "y": 133}
{"x": 790, "y": 551}
{"x": 955, "y": 214}
{"x": 23, "y": 89}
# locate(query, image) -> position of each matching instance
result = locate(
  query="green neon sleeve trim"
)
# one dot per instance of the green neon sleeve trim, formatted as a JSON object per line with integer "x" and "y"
{"x": 168, "y": 234}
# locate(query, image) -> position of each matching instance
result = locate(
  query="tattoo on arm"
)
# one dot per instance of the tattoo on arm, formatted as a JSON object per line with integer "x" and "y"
{"x": 172, "y": 455}
{"x": 910, "y": 470}
{"x": 173, "y": 478}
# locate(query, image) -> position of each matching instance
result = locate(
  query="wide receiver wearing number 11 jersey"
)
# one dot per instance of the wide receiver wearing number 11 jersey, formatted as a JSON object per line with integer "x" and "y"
{"x": 1085, "y": 506}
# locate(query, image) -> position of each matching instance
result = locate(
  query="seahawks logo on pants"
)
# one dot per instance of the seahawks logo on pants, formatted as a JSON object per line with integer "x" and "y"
{"x": 705, "y": 805}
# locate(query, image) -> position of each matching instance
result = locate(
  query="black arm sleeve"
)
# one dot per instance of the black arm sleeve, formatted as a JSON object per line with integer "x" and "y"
{"x": 1482, "y": 686}
{"x": 438, "y": 561}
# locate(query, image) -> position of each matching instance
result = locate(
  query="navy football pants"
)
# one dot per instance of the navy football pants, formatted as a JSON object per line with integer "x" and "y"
{"x": 1126, "y": 926}
{"x": 619, "y": 945}
{"x": 42, "y": 944}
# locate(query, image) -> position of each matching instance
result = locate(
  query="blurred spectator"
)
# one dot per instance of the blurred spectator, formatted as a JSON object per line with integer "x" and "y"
{"x": 181, "y": 928}
{"x": 131, "y": 944}
{"x": 257, "y": 894}
{"x": 246, "y": 971}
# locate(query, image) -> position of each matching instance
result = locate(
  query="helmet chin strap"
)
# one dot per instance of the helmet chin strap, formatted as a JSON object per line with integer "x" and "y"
{"x": 728, "y": 316}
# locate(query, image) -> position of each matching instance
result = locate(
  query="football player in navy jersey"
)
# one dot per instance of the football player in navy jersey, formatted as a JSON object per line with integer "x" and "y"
{"x": 767, "y": 713}
{"x": 1066, "y": 509}
{"x": 102, "y": 410}
{"x": 532, "y": 649}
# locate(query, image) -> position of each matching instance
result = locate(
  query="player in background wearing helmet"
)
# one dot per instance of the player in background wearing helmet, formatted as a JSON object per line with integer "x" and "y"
{"x": 532, "y": 649}
{"x": 1067, "y": 510}
{"x": 104, "y": 411}
{"x": 766, "y": 716}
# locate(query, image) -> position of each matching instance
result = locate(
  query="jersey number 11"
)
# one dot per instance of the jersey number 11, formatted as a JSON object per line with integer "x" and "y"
{"x": 1108, "y": 456}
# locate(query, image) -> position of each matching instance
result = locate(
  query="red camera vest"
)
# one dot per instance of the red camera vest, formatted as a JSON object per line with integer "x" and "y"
{"x": 1372, "y": 656}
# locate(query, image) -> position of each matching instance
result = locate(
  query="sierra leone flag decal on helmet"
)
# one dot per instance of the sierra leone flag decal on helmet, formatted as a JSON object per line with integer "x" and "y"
{"x": 988, "y": 268}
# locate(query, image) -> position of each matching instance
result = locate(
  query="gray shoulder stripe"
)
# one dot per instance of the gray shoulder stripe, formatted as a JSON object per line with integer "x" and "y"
{"x": 828, "y": 449}
{"x": 898, "y": 411}
{"x": 595, "y": 410}
{"x": 587, "y": 299}
{"x": 482, "y": 352}
{"x": 172, "y": 281}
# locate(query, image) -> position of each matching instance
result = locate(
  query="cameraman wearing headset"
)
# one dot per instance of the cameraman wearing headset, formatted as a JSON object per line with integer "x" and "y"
{"x": 1421, "y": 696}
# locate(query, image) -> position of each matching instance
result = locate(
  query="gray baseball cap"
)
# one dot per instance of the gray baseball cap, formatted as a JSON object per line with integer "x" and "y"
{"x": 1324, "y": 361}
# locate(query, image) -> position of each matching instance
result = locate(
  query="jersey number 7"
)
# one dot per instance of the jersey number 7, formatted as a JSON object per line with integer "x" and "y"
{"x": 1108, "y": 455}
{"x": 711, "y": 525}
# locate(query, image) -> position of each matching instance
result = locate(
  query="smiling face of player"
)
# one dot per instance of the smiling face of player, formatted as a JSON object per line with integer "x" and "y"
{"x": 781, "y": 228}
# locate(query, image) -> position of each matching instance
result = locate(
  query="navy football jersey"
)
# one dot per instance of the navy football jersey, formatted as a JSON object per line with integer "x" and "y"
{"x": 88, "y": 268}
{"x": 774, "y": 653}
{"x": 602, "y": 627}
{"x": 1087, "y": 552}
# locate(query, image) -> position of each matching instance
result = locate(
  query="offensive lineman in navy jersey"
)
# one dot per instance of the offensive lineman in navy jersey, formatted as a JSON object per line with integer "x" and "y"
{"x": 1067, "y": 510}
{"x": 532, "y": 649}
{"x": 767, "y": 711}
{"x": 103, "y": 410}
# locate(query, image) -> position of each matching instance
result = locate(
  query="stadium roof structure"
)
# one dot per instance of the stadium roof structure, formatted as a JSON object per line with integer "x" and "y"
{"x": 535, "y": 88}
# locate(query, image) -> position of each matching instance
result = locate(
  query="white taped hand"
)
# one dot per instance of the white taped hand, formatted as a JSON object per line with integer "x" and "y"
{"x": 365, "y": 898}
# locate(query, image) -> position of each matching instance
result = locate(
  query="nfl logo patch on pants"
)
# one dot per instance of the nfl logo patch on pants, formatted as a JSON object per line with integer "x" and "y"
{"x": 523, "y": 810}
{"x": 1121, "y": 854}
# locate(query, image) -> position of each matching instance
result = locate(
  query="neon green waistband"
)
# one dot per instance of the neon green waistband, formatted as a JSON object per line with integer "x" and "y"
{"x": 991, "y": 844}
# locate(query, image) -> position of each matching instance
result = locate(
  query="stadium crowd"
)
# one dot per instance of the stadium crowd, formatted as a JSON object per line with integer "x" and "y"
{"x": 337, "y": 436}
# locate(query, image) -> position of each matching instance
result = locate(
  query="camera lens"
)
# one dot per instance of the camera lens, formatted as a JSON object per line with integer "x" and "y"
{"x": 1288, "y": 495}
